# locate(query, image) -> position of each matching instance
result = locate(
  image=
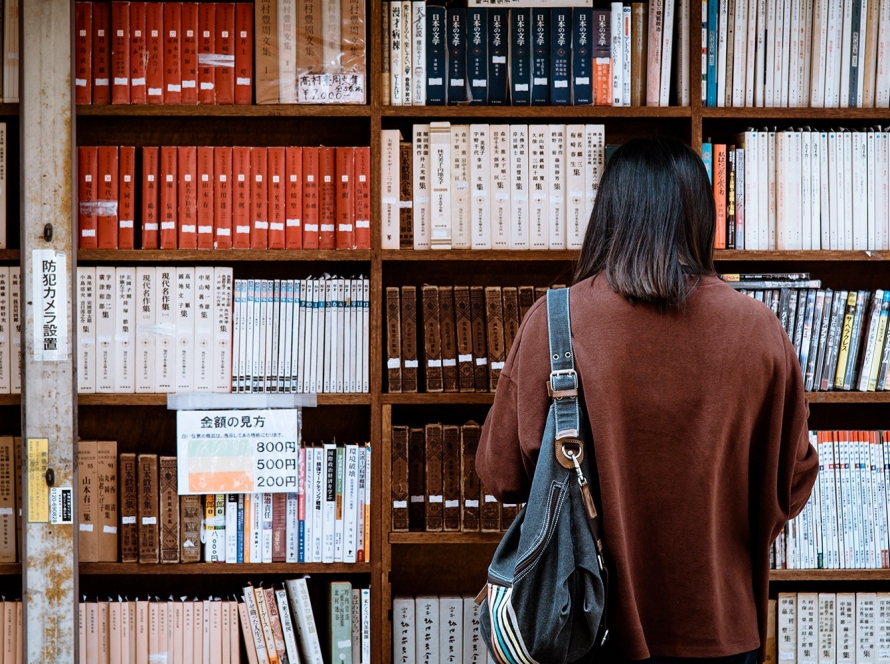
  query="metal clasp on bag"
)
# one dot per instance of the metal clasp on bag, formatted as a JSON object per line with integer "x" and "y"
{"x": 569, "y": 452}
{"x": 571, "y": 392}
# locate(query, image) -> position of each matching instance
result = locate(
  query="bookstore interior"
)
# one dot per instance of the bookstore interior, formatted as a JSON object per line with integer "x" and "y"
{"x": 262, "y": 262}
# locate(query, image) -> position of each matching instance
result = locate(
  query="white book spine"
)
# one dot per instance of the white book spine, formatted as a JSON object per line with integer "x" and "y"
{"x": 784, "y": 214}
{"x": 860, "y": 53}
{"x": 807, "y": 643}
{"x": 763, "y": 190}
{"x": 407, "y": 44}
{"x": 865, "y": 627}
{"x": 396, "y": 73}
{"x": 786, "y": 630}
{"x": 594, "y": 158}
{"x": 366, "y": 333}
{"x": 752, "y": 228}
{"x": 882, "y": 78}
{"x": 539, "y": 211}
{"x": 221, "y": 360}
{"x": 793, "y": 49}
{"x": 329, "y": 504}
{"x": 815, "y": 186}
{"x": 404, "y": 646}
{"x": 426, "y": 627}
{"x": 15, "y": 330}
{"x": 328, "y": 336}
{"x": 850, "y": 199}
{"x": 287, "y": 52}
{"x": 557, "y": 191}
{"x": 846, "y": 53}
{"x": 625, "y": 56}
{"x": 5, "y": 366}
{"x": 871, "y": 192}
{"x": 833, "y": 45}
{"x": 389, "y": 188}
{"x": 204, "y": 328}
{"x": 760, "y": 63}
{"x": 185, "y": 329}
{"x": 882, "y": 628}
{"x": 418, "y": 52}
{"x": 439, "y": 184}
{"x": 231, "y": 528}
{"x": 616, "y": 16}
{"x": 820, "y": 54}
{"x": 883, "y": 193}
{"x": 421, "y": 210}
{"x": 826, "y": 623}
{"x": 124, "y": 330}
{"x": 450, "y": 635}
{"x": 301, "y": 608}
{"x": 86, "y": 330}
{"x": 862, "y": 235}
{"x": 739, "y": 56}
{"x": 105, "y": 328}
{"x": 772, "y": 7}
{"x": 786, "y": 51}
{"x": 519, "y": 171}
{"x": 667, "y": 48}
{"x": 350, "y": 503}
{"x": 576, "y": 200}
{"x": 824, "y": 203}
{"x": 480, "y": 186}
{"x": 499, "y": 137}
{"x": 803, "y": 180}
{"x": 287, "y": 626}
{"x": 460, "y": 187}
{"x": 751, "y": 53}
{"x": 366, "y": 626}
{"x": 722, "y": 35}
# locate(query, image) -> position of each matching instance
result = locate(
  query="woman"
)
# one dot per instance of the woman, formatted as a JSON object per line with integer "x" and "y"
{"x": 697, "y": 409}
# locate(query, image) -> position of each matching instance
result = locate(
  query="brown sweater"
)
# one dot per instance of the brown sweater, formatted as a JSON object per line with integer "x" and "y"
{"x": 699, "y": 423}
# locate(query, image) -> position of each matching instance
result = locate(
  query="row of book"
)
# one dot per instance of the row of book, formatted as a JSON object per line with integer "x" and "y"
{"x": 840, "y": 337}
{"x": 802, "y": 190}
{"x": 434, "y": 482}
{"x": 486, "y": 186}
{"x": 163, "y": 53}
{"x": 797, "y": 53}
{"x": 224, "y": 197}
{"x": 560, "y": 56}
{"x": 269, "y": 625}
{"x": 301, "y": 335}
{"x": 311, "y": 52}
{"x": 437, "y": 628}
{"x": 461, "y": 341}
{"x": 10, "y": 330}
{"x": 11, "y": 628}
{"x": 805, "y": 628}
{"x": 129, "y": 510}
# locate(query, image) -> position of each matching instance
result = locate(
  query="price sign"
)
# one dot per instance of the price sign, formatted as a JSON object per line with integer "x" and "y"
{"x": 237, "y": 451}
{"x": 345, "y": 88}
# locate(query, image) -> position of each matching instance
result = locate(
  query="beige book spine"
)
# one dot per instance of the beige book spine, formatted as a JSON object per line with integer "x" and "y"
{"x": 88, "y": 480}
{"x": 247, "y": 633}
{"x": 266, "y": 50}
{"x": 107, "y": 519}
{"x": 7, "y": 501}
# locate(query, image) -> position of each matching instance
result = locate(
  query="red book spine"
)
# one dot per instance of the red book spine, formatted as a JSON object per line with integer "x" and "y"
{"x": 344, "y": 207}
{"x": 107, "y": 204}
{"x": 138, "y": 53}
{"x": 154, "y": 45}
{"x": 101, "y": 53}
{"x": 222, "y": 220}
{"x": 189, "y": 52}
{"x": 279, "y": 528}
{"x": 127, "y": 197}
{"x": 310, "y": 198}
{"x": 150, "y": 211}
{"x": 188, "y": 197}
{"x": 259, "y": 197}
{"x": 172, "y": 53}
{"x": 225, "y": 52}
{"x": 241, "y": 212}
{"x": 276, "y": 197}
{"x": 244, "y": 54}
{"x": 83, "y": 48}
{"x": 206, "y": 52}
{"x": 363, "y": 198}
{"x": 720, "y": 195}
{"x": 205, "y": 198}
{"x": 120, "y": 52}
{"x": 327, "y": 216}
{"x": 87, "y": 176}
{"x": 167, "y": 197}
{"x": 293, "y": 233}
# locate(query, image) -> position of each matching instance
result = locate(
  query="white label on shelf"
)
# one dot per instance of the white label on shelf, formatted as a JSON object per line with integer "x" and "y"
{"x": 276, "y": 226}
{"x": 452, "y": 503}
{"x": 149, "y": 520}
{"x": 540, "y": 81}
{"x": 121, "y": 81}
{"x": 410, "y": 364}
{"x": 189, "y": 228}
{"x": 497, "y": 366}
{"x": 168, "y": 225}
{"x": 435, "y": 499}
{"x": 481, "y": 360}
{"x": 471, "y": 503}
{"x": 128, "y": 520}
{"x": 109, "y": 529}
{"x": 362, "y": 223}
{"x": 393, "y": 363}
{"x": 86, "y": 527}
{"x": 399, "y": 504}
{"x": 137, "y": 81}
{"x": 521, "y": 87}
{"x": 126, "y": 223}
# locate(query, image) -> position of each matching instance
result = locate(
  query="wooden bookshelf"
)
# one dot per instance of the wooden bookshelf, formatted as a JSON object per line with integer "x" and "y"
{"x": 161, "y": 400}
{"x": 773, "y": 113}
{"x": 223, "y": 111}
{"x": 123, "y": 256}
{"x": 445, "y": 538}
{"x": 252, "y": 569}
{"x": 10, "y": 569}
{"x": 9, "y": 255}
{"x": 811, "y": 575}
{"x": 532, "y": 113}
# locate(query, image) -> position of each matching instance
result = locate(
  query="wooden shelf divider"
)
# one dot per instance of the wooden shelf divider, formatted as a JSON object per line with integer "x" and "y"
{"x": 138, "y": 569}
{"x": 122, "y": 256}
{"x": 223, "y": 111}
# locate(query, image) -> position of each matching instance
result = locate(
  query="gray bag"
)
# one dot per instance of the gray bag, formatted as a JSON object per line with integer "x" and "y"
{"x": 545, "y": 600}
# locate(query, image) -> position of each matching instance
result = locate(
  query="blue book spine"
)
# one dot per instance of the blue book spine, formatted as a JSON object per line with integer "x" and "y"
{"x": 497, "y": 56}
{"x": 560, "y": 54}
{"x": 520, "y": 57}
{"x": 540, "y": 57}
{"x": 457, "y": 55}
{"x": 436, "y": 56}
{"x": 707, "y": 156}
{"x": 582, "y": 62}
{"x": 713, "y": 17}
{"x": 240, "y": 537}
{"x": 477, "y": 55}
{"x": 301, "y": 541}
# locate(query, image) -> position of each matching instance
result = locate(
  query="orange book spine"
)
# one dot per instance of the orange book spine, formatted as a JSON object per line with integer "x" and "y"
{"x": 222, "y": 193}
{"x": 189, "y": 62}
{"x": 127, "y": 197}
{"x": 206, "y": 202}
{"x": 87, "y": 176}
{"x": 154, "y": 45}
{"x": 244, "y": 54}
{"x": 107, "y": 204}
{"x": 101, "y": 53}
{"x": 602, "y": 81}
{"x": 225, "y": 50}
{"x": 188, "y": 198}
{"x": 362, "y": 198}
{"x": 83, "y": 52}
{"x": 150, "y": 213}
{"x": 276, "y": 197}
{"x": 172, "y": 53}
{"x": 206, "y": 51}
{"x": 310, "y": 198}
{"x": 720, "y": 194}
{"x": 167, "y": 197}
{"x": 259, "y": 198}
{"x": 138, "y": 53}
{"x": 344, "y": 207}
{"x": 120, "y": 52}
{"x": 241, "y": 213}
{"x": 327, "y": 216}
{"x": 293, "y": 233}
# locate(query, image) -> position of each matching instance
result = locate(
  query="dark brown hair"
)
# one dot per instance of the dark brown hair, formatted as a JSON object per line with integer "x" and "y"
{"x": 653, "y": 223}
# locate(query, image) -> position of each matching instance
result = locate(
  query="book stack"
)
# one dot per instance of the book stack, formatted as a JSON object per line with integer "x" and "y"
{"x": 490, "y": 186}
{"x": 797, "y": 53}
{"x": 801, "y": 189}
{"x": 465, "y": 335}
{"x": 10, "y": 330}
{"x": 12, "y": 641}
{"x": 301, "y": 335}
{"x": 225, "y": 197}
{"x": 434, "y": 483}
{"x": 141, "y": 518}
{"x": 443, "y": 628}
{"x": 617, "y": 55}
{"x": 163, "y": 53}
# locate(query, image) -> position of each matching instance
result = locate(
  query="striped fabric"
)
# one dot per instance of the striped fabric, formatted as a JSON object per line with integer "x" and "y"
{"x": 505, "y": 638}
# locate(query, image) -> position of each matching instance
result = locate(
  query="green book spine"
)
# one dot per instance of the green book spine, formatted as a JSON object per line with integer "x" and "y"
{"x": 340, "y": 622}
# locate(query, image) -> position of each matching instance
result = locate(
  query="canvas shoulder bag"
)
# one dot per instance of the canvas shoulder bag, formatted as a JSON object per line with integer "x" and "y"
{"x": 545, "y": 600}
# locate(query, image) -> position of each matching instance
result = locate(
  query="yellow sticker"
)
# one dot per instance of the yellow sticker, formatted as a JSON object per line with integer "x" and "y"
{"x": 38, "y": 491}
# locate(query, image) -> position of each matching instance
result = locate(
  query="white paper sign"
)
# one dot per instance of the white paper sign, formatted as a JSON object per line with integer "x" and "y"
{"x": 49, "y": 292}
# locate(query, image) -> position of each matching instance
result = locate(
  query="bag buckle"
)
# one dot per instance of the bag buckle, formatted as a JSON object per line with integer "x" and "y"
{"x": 563, "y": 384}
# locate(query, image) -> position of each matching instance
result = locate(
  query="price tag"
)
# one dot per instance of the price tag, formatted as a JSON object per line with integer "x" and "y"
{"x": 237, "y": 451}
{"x": 331, "y": 88}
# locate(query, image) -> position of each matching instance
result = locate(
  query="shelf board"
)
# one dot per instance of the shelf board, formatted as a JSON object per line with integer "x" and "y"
{"x": 10, "y": 569}
{"x": 445, "y": 538}
{"x": 161, "y": 400}
{"x": 221, "y": 256}
{"x": 9, "y": 255}
{"x": 848, "y": 397}
{"x": 395, "y": 255}
{"x": 829, "y": 575}
{"x": 224, "y": 111}
{"x": 439, "y": 398}
{"x": 136, "y": 569}
{"x": 9, "y": 109}
{"x": 535, "y": 112}
{"x": 799, "y": 256}
{"x": 769, "y": 113}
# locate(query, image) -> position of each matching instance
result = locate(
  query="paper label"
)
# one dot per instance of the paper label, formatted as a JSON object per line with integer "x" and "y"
{"x": 60, "y": 504}
{"x": 49, "y": 290}
{"x": 331, "y": 88}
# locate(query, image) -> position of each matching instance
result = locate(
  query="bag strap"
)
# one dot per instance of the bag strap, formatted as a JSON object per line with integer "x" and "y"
{"x": 563, "y": 384}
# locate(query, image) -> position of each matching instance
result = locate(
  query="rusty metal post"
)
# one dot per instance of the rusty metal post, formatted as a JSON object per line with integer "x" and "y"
{"x": 49, "y": 570}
